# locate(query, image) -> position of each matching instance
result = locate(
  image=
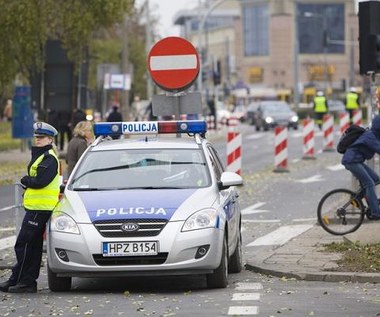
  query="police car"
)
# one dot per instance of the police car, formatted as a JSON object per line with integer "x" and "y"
{"x": 158, "y": 203}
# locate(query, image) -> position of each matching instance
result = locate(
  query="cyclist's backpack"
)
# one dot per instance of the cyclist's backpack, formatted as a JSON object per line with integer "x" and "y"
{"x": 352, "y": 133}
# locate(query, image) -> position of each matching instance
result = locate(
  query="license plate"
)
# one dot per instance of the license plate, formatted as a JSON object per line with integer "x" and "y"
{"x": 130, "y": 248}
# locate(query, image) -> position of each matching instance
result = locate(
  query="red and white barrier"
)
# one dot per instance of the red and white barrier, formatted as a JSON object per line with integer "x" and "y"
{"x": 233, "y": 147}
{"x": 281, "y": 149}
{"x": 308, "y": 139}
{"x": 328, "y": 132}
{"x": 210, "y": 120}
{"x": 344, "y": 121}
{"x": 357, "y": 117}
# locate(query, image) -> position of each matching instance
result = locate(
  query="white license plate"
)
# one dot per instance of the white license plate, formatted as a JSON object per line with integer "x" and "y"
{"x": 130, "y": 248}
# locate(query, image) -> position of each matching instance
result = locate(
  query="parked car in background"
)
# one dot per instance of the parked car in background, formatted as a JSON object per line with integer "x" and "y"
{"x": 274, "y": 113}
{"x": 240, "y": 112}
{"x": 252, "y": 112}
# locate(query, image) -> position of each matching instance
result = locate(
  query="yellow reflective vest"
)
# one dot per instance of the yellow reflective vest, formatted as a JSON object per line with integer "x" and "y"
{"x": 43, "y": 198}
{"x": 320, "y": 104}
{"x": 352, "y": 101}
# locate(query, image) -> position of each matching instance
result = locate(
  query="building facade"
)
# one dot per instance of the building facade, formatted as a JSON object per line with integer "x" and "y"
{"x": 257, "y": 48}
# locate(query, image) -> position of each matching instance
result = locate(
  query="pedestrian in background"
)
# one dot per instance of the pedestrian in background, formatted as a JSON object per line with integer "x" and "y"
{"x": 115, "y": 115}
{"x": 82, "y": 137}
{"x": 352, "y": 102}
{"x": 52, "y": 119}
{"x": 64, "y": 128}
{"x": 78, "y": 116}
{"x": 7, "y": 113}
{"x": 320, "y": 108}
{"x": 40, "y": 197}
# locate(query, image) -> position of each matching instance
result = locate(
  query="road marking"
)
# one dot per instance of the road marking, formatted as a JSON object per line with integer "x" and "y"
{"x": 311, "y": 179}
{"x": 262, "y": 221}
{"x": 7, "y": 229}
{"x": 253, "y": 209}
{"x": 334, "y": 168}
{"x": 254, "y": 136}
{"x": 305, "y": 220}
{"x": 7, "y": 208}
{"x": 248, "y": 286}
{"x": 246, "y": 296}
{"x": 6, "y": 243}
{"x": 281, "y": 235}
{"x": 243, "y": 310}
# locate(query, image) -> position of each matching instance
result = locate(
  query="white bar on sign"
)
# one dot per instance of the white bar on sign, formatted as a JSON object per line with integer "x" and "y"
{"x": 173, "y": 62}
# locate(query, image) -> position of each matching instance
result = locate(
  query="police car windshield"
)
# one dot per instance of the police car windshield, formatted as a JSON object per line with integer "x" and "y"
{"x": 141, "y": 169}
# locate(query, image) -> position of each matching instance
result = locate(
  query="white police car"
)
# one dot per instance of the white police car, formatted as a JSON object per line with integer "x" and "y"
{"x": 151, "y": 205}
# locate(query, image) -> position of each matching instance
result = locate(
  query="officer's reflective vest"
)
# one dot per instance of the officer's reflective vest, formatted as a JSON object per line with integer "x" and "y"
{"x": 352, "y": 101}
{"x": 43, "y": 198}
{"x": 320, "y": 104}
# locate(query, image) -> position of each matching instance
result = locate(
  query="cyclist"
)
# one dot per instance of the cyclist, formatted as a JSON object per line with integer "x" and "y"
{"x": 364, "y": 148}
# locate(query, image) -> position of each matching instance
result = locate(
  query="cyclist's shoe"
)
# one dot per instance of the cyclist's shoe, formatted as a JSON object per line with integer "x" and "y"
{"x": 371, "y": 216}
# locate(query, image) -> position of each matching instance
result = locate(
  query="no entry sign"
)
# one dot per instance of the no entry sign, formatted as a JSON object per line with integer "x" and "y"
{"x": 173, "y": 63}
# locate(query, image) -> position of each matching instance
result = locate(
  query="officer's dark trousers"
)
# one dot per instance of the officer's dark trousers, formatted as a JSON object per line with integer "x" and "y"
{"x": 28, "y": 248}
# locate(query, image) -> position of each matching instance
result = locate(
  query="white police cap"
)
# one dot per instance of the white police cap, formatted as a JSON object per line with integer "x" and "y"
{"x": 43, "y": 128}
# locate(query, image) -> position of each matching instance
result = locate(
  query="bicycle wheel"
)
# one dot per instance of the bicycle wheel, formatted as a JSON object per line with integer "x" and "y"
{"x": 340, "y": 212}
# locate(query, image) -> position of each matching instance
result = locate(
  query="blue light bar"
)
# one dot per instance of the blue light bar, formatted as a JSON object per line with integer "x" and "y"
{"x": 149, "y": 127}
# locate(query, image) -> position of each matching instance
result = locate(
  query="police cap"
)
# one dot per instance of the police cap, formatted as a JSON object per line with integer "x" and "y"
{"x": 44, "y": 129}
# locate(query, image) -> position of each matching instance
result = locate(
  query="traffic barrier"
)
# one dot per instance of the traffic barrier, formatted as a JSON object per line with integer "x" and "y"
{"x": 281, "y": 149}
{"x": 357, "y": 117}
{"x": 344, "y": 122}
{"x": 308, "y": 139}
{"x": 328, "y": 132}
{"x": 233, "y": 147}
{"x": 210, "y": 120}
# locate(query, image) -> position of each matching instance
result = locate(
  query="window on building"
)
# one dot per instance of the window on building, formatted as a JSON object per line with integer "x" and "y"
{"x": 256, "y": 30}
{"x": 321, "y": 28}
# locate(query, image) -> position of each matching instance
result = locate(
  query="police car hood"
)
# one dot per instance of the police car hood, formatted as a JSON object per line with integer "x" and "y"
{"x": 170, "y": 204}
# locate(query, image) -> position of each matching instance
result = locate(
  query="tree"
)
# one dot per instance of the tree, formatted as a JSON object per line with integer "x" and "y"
{"x": 26, "y": 25}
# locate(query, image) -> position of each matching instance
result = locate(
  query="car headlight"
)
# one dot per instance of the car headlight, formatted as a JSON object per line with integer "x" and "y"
{"x": 207, "y": 218}
{"x": 61, "y": 222}
{"x": 268, "y": 120}
{"x": 294, "y": 119}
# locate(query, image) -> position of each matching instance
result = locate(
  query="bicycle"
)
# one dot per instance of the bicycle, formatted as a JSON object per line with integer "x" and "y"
{"x": 342, "y": 210}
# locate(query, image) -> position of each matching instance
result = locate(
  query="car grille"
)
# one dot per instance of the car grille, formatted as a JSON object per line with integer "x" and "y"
{"x": 146, "y": 227}
{"x": 130, "y": 260}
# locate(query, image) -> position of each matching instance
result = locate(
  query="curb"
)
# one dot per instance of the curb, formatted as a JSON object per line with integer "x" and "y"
{"x": 317, "y": 276}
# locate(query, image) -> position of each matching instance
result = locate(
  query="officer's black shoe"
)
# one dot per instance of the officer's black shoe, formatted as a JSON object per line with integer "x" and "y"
{"x": 5, "y": 286}
{"x": 22, "y": 288}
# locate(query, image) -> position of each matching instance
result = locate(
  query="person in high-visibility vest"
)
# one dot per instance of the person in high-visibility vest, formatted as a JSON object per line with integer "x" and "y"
{"x": 352, "y": 102}
{"x": 320, "y": 108}
{"x": 40, "y": 197}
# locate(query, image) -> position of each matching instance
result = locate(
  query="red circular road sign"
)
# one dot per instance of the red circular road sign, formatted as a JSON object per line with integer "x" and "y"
{"x": 173, "y": 63}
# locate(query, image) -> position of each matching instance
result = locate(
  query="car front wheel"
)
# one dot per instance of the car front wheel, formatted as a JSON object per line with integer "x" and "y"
{"x": 58, "y": 284}
{"x": 218, "y": 279}
{"x": 236, "y": 260}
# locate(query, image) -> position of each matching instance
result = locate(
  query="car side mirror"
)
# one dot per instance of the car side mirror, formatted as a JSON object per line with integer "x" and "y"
{"x": 229, "y": 179}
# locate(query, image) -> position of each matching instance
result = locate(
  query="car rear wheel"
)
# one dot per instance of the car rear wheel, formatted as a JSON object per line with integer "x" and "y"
{"x": 236, "y": 260}
{"x": 218, "y": 279}
{"x": 58, "y": 284}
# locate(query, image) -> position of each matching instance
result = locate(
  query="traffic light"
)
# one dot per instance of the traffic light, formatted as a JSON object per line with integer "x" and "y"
{"x": 369, "y": 30}
{"x": 217, "y": 73}
{"x": 373, "y": 47}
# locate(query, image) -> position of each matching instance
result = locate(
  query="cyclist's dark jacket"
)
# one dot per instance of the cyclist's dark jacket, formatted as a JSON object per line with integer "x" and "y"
{"x": 365, "y": 147}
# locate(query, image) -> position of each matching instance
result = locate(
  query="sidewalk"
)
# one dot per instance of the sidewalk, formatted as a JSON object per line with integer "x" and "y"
{"x": 303, "y": 257}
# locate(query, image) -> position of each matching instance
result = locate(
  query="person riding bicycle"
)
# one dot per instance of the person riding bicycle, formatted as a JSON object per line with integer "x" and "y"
{"x": 364, "y": 148}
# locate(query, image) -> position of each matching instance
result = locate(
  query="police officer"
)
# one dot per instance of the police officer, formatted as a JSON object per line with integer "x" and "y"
{"x": 320, "y": 108}
{"x": 352, "y": 102}
{"x": 41, "y": 195}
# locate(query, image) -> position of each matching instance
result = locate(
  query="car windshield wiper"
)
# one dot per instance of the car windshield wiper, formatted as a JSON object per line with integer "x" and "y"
{"x": 84, "y": 189}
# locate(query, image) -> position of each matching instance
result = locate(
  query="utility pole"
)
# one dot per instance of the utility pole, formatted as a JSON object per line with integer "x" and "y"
{"x": 148, "y": 45}
{"x": 125, "y": 69}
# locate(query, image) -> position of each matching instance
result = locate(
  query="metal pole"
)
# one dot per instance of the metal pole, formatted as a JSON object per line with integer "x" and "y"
{"x": 296, "y": 59}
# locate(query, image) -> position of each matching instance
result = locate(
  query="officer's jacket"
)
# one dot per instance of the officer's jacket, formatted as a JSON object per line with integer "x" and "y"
{"x": 42, "y": 181}
{"x": 352, "y": 101}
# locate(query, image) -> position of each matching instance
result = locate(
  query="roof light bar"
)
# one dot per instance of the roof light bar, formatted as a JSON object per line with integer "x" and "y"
{"x": 149, "y": 127}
